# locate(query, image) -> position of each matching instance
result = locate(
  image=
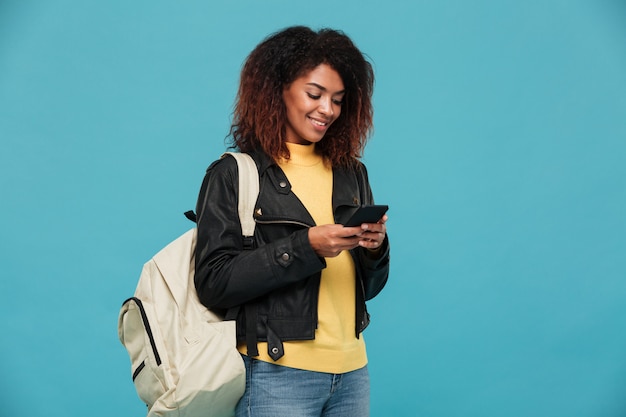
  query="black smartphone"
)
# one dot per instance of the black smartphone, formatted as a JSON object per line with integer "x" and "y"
{"x": 367, "y": 214}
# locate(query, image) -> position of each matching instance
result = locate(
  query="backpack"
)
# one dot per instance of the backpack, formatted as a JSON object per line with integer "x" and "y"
{"x": 184, "y": 360}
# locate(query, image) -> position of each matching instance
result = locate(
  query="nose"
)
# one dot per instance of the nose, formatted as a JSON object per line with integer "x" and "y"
{"x": 326, "y": 107}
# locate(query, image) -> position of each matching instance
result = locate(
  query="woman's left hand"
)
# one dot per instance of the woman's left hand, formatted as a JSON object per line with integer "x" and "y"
{"x": 373, "y": 234}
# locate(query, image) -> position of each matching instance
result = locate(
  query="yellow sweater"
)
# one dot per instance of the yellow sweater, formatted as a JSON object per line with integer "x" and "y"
{"x": 335, "y": 348}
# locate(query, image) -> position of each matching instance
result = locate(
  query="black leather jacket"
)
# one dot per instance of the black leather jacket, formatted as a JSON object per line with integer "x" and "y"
{"x": 276, "y": 282}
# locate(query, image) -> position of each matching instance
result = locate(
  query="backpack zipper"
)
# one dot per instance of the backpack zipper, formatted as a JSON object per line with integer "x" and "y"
{"x": 146, "y": 325}
{"x": 138, "y": 370}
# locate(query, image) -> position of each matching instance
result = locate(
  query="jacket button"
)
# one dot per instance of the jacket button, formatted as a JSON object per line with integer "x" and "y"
{"x": 282, "y": 184}
{"x": 285, "y": 256}
{"x": 275, "y": 350}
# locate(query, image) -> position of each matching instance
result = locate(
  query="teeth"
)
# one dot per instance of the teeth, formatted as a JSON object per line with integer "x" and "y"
{"x": 318, "y": 122}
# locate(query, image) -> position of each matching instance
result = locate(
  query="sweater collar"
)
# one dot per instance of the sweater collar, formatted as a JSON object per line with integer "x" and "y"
{"x": 302, "y": 155}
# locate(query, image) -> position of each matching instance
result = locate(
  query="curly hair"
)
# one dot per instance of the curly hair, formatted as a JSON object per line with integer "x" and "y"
{"x": 259, "y": 117}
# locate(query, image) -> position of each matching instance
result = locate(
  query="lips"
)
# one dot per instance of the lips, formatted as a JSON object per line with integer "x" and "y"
{"x": 319, "y": 123}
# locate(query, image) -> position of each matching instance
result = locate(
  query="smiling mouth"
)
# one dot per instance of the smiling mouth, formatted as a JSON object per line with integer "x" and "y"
{"x": 318, "y": 122}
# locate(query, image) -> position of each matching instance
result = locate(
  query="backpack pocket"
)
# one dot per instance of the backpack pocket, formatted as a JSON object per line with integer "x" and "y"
{"x": 138, "y": 338}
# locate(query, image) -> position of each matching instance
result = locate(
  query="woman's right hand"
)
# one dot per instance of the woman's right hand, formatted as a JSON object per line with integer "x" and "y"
{"x": 330, "y": 239}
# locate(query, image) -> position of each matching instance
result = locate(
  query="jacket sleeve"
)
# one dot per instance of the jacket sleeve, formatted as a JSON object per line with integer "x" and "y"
{"x": 374, "y": 265}
{"x": 227, "y": 275}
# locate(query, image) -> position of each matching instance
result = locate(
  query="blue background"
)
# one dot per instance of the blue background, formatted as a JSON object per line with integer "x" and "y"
{"x": 500, "y": 146}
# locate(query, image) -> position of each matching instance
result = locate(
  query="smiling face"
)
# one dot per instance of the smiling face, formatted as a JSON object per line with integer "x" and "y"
{"x": 313, "y": 103}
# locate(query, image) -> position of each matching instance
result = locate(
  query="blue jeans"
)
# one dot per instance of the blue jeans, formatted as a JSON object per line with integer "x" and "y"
{"x": 279, "y": 391}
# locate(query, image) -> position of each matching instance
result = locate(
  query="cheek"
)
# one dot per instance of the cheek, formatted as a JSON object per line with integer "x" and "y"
{"x": 288, "y": 106}
{"x": 292, "y": 115}
{"x": 294, "y": 108}
{"x": 337, "y": 113}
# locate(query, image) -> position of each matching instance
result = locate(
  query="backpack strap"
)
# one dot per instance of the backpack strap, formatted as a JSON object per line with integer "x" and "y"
{"x": 248, "y": 193}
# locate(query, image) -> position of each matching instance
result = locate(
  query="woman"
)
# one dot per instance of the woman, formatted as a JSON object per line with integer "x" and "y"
{"x": 303, "y": 112}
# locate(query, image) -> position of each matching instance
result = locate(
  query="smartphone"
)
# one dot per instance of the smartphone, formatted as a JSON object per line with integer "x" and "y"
{"x": 367, "y": 214}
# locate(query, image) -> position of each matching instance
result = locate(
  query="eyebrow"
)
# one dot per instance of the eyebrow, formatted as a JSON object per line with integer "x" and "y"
{"x": 324, "y": 88}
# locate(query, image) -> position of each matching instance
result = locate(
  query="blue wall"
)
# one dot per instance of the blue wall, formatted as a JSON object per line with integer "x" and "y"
{"x": 500, "y": 145}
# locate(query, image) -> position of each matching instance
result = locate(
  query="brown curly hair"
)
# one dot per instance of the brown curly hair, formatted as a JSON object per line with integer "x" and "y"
{"x": 259, "y": 116}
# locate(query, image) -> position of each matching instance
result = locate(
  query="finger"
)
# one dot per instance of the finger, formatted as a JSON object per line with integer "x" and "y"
{"x": 348, "y": 240}
{"x": 374, "y": 227}
{"x": 350, "y": 231}
{"x": 370, "y": 244}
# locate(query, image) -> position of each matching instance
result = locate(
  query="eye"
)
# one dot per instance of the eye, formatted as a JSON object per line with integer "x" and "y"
{"x": 313, "y": 96}
{"x": 338, "y": 102}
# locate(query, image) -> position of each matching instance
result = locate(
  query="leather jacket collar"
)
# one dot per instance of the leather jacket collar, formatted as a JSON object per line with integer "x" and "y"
{"x": 348, "y": 188}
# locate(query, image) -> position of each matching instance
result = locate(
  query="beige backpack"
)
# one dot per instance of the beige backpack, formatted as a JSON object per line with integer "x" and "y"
{"x": 184, "y": 360}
